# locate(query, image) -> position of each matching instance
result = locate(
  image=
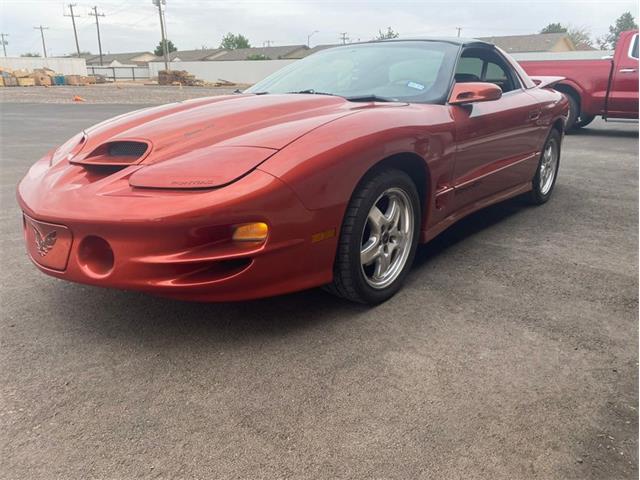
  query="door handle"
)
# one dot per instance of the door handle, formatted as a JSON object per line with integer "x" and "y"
{"x": 628, "y": 70}
{"x": 534, "y": 115}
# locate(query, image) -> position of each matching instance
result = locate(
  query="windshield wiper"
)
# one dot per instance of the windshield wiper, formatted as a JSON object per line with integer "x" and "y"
{"x": 370, "y": 98}
{"x": 313, "y": 92}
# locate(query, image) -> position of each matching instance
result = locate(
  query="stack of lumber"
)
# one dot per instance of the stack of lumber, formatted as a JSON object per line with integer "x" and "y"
{"x": 25, "y": 78}
{"x": 178, "y": 77}
{"x": 43, "y": 77}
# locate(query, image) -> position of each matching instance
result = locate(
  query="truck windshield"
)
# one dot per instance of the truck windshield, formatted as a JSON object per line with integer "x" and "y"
{"x": 407, "y": 71}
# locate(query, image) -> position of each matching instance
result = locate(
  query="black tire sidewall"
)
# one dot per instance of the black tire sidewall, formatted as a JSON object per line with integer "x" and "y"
{"x": 374, "y": 188}
{"x": 574, "y": 113}
{"x": 537, "y": 195}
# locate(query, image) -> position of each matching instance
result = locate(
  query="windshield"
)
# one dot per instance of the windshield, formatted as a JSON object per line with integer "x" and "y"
{"x": 408, "y": 71}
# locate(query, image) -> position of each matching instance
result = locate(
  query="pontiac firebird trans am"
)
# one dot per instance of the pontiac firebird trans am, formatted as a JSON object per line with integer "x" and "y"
{"x": 328, "y": 172}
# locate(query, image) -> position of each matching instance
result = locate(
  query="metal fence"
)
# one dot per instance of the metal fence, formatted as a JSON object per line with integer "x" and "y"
{"x": 119, "y": 73}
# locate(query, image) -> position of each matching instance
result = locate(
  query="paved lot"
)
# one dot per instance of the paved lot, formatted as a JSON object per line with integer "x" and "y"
{"x": 512, "y": 352}
{"x": 110, "y": 93}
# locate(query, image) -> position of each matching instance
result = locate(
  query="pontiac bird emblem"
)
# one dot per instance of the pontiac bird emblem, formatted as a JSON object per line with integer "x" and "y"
{"x": 44, "y": 243}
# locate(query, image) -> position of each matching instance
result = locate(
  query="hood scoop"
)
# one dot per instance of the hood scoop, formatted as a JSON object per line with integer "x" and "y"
{"x": 119, "y": 153}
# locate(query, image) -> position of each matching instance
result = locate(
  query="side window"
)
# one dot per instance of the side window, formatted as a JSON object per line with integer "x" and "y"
{"x": 469, "y": 70}
{"x": 634, "y": 48}
{"x": 496, "y": 74}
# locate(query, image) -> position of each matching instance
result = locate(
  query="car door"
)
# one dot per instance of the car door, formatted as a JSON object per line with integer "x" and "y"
{"x": 623, "y": 96}
{"x": 497, "y": 142}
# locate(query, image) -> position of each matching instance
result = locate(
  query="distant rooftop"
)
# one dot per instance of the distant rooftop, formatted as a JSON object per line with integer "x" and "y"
{"x": 538, "y": 42}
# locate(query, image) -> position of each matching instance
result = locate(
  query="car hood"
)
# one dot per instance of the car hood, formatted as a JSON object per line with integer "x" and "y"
{"x": 208, "y": 142}
{"x": 267, "y": 121}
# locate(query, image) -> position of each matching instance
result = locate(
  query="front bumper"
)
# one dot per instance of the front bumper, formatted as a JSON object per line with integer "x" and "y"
{"x": 177, "y": 244}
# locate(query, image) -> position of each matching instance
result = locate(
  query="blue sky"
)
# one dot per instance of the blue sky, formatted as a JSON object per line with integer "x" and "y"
{"x": 132, "y": 25}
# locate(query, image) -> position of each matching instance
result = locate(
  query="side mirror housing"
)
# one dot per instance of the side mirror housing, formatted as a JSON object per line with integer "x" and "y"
{"x": 473, "y": 92}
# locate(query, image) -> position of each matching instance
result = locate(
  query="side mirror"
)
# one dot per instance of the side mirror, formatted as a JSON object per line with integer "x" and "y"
{"x": 473, "y": 92}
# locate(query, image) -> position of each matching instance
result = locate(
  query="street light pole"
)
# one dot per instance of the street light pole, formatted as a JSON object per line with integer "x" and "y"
{"x": 4, "y": 42}
{"x": 73, "y": 21}
{"x": 44, "y": 47}
{"x": 96, "y": 14}
{"x": 165, "y": 54}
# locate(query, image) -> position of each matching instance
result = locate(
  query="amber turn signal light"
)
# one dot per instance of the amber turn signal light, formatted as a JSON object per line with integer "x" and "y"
{"x": 251, "y": 232}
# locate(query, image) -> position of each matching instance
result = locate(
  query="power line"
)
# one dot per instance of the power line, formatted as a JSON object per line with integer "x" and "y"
{"x": 42, "y": 29}
{"x": 4, "y": 42}
{"x": 96, "y": 14}
{"x": 165, "y": 53}
{"x": 73, "y": 21}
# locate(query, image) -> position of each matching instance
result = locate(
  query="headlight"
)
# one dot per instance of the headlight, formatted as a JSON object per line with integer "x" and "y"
{"x": 68, "y": 149}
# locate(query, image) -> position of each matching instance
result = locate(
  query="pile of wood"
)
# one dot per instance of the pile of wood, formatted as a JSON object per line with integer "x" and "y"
{"x": 178, "y": 77}
{"x": 43, "y": 77}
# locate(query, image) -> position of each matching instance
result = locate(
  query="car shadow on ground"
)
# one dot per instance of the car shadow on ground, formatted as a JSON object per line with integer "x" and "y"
{"x": 467, "y": 227}
{"x": 130, "y": 315}
{"x": 599, "y": 132}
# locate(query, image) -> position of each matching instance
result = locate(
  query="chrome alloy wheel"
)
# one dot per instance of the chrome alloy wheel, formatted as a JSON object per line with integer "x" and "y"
{"x": 387, "y": 238}
{"x": 548, "y": 167}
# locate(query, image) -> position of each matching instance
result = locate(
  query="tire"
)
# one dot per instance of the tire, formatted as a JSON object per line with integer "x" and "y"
{"x": 574, "y": 113}
{"x": 377, "y": 247}
{"x": 584, "y": 120}
{"x": 543, "y": 185}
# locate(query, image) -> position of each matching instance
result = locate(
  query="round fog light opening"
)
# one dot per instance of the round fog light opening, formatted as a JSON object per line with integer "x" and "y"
{"x": 95, "y": 256}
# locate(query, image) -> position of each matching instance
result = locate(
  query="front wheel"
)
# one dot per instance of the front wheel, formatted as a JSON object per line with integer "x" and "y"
{"x": 378, "y": 239}
{"x": 584, "y": 120}
{"x": 547, "y": 172}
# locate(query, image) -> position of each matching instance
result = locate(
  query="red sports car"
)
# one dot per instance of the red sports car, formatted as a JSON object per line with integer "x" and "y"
{"x": 328, "y": 172}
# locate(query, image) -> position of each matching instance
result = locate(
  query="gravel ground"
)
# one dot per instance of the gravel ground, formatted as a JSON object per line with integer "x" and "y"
{"x": 109, "y": 93}
{"x": 511, "y": 353}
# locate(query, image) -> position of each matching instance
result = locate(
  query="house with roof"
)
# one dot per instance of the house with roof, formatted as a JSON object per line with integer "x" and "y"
{"x": 285, "y": 52}
{"x": 539, "y": 42}
{"x": 128, "y": 59}
{"x": 197, "y": 55}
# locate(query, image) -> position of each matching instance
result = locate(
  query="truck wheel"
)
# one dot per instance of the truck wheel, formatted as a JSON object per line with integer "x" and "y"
{"x": 584, "y": 120}
{"x": 574, "y": 112}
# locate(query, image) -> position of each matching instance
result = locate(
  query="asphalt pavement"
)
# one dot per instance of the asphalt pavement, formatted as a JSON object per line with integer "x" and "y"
{"x": 511, "y": 353}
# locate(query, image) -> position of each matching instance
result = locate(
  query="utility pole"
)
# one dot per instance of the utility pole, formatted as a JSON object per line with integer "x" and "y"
{"x": 159, "y": 4}
{"x": 309, "y": 37}
{"x": 96, "y": 14}
{"x": 73, "y": 20}
{"x": 459, "y": 30}
{"x": 42, "y": 29}
{"x": 267, "y": 43}
{"x": 343, "y": 37}
{"x": 4, "y": 42}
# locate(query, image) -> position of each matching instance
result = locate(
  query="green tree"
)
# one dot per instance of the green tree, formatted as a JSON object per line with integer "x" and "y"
{"x": 554, "y": 28}
{"x": 159, "y": 51}
{"x": 30, "y": 54}
{"x": 623, "y": 23}
{"x": 233, "y": 42}
{"x": 387, "y": 35}
{"x": 580, "y": 37}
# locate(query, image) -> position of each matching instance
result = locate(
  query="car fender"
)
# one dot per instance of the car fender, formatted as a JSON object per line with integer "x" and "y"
{"x": 325, "y": 166}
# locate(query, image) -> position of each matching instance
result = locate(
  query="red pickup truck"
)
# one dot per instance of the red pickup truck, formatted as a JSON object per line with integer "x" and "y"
{"x": 606, "y": 87}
